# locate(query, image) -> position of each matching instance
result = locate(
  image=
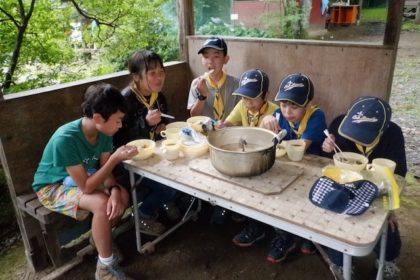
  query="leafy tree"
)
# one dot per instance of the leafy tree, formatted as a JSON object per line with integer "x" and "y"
{"x": 38, "y": 33}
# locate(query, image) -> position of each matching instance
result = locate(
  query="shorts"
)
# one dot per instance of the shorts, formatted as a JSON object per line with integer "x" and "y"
{"x": 64, "y": 200}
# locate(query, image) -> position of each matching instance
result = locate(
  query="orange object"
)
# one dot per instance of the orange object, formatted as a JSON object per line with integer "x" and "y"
{"x": 344, "y": 14}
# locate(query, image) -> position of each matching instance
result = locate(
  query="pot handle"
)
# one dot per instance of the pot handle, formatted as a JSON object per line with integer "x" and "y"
{"x": 279, "y": 137}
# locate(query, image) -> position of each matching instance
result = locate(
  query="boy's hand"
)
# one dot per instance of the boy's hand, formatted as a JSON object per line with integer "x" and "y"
{"x": 153, "y": 117}
{"x": 115, "y": 207}
{"x": 328, "y": 144}
{"x": 202, "y": 86}
{"x": 271, "y": 123}
{"x": 125, "y": 152}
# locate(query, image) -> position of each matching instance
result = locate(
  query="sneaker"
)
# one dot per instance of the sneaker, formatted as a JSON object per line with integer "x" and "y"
{"x": 151, "y": 227}
{"x": 249, "y": 235}
{"x": 337, "y": 271}
{"x": 219, "y": 215}
{"x": 109, "y": 272}
{"x": 280, "y": 247}
{"x": 307, "y": 247}
{"x": 171, "y": 211}
{"x": 391, "y": 271}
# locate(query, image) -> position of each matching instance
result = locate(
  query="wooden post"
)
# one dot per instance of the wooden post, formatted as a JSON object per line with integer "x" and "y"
{"x": 393, "y": 22}
{"x": 185, "y": 13}
{"x": 417, "y": 19}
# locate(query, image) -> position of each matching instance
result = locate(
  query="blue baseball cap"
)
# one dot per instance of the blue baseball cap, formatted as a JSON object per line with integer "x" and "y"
{"x": 366, "y": 120}
{"x": 296, "y": 88}
{"x": 214, "y": 43}
{"x": 351, "y": 198}
{"x": 252, "y": 84}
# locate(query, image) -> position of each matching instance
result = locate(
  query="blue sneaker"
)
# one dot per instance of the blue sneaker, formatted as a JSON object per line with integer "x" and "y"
{"x": 249, "y": 235}
{"x": 280, "y": 247}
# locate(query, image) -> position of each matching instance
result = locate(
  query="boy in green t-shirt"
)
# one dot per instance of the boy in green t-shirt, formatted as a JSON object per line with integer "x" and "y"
{"x": 76, "y": 149}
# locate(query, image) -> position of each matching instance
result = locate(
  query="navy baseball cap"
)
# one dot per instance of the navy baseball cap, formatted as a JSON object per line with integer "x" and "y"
{"x": 351, "y": 198}
{"x": 252, "y": 84}
{"x": 296, "y": 88}
{"x": 366, "y": 120}
{"x": 214, "y": 43}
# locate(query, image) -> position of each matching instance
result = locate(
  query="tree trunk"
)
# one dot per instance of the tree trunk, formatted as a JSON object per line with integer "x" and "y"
{"x": 18, "y": 43}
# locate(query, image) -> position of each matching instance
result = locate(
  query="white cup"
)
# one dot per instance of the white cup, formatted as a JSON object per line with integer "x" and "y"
{"x": 295, "y": 149}
{"x": 381, "y": 164}
{"x": 171, "y": 133}
{"x": 170, "y": 149}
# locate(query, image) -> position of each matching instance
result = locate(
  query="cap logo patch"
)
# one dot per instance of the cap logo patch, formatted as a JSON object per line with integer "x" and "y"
{"x": 247, "y": 80}
{"x": 291, "y": 85}
{"x": 210, "y": 40}
{"x": 360, "y": 118}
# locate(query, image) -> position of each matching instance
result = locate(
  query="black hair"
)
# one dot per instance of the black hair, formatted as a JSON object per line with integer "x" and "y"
{"x": 143, "y": 60}
{"x": 103, "y": 99}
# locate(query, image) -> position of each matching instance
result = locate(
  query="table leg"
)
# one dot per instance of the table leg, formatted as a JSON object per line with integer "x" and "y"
{"x": 382, "y": 252}
{"x": 136, "y": 209}
{"x": 347, "y": 266}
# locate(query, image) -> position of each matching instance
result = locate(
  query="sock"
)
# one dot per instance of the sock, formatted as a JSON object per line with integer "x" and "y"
{"x": 107, "y": 261}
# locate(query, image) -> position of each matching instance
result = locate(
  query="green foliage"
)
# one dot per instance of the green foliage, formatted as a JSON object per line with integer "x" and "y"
{"x": 217, "y": 26}
{"x": 293, "y": 23}
{"x": 119, "y": 28}
{"x": 410, "y": 26}
{"x": 374, "y": 14}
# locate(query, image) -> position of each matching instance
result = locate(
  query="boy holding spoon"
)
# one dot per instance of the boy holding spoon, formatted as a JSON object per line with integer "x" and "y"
{"x": 211, "y": 93}
{"x": 367, "y": 129}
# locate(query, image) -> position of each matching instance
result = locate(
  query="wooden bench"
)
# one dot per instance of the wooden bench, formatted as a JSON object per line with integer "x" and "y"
{"x": 51, "y": 224}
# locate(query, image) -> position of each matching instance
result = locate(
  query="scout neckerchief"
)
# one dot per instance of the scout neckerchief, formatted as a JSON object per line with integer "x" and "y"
{"x": 304, "y": 121}
{"x": 218, "y": 106}
{"x": 142, "y": 99}
{"x": 367, "y": 150}
{"x": 254, "y": 118}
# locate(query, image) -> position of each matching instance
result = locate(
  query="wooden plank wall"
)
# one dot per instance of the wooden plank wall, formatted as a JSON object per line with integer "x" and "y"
{"x": 340, "y": 71}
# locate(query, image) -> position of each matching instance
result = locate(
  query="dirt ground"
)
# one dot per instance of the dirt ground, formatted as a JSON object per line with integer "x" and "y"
{"x": 199, "y": 250}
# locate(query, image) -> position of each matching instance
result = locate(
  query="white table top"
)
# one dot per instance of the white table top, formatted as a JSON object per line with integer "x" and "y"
{"x": 290, "y": 209}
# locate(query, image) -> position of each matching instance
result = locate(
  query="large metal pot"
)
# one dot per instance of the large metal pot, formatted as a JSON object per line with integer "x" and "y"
{"x": 242, "y": 151}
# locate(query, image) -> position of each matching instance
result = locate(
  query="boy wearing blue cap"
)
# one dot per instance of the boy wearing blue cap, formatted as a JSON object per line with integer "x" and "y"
{"x": 367, "y": 129}
{"x": 211, "y": 94}
{"x": 254, "y": 105}
{"x": 301, "y": 120}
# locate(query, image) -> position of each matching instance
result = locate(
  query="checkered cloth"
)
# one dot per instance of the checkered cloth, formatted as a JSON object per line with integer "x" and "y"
{"x": 351, "y": 198}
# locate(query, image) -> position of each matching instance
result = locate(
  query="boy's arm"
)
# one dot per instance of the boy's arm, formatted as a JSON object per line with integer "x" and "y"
{"x": 196, "y": 104}
{"x": 89, "y": 184}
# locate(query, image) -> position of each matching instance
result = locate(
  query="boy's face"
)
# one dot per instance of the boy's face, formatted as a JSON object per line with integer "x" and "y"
{"x": 291, "y": 111}
{"x": 254, "y": 105}
{"x": 152, "y": 80}
{"x": 213, "y": 59}
{"x": 111, "y": 126}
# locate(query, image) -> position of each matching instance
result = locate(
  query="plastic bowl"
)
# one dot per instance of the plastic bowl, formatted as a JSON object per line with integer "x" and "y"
{"x": 197, "y": 122}
{"x": 350, "y": 161}
{"x": 194, "y": 150}
{"x": 341, "y": 175}
{"x": 145, "y": 147}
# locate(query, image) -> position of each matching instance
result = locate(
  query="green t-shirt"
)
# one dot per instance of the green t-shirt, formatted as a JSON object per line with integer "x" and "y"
{"x": 68, "y": 147}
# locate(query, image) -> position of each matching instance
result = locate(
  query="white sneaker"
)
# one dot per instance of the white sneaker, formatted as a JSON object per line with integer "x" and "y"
{"x": 109, "y": 272}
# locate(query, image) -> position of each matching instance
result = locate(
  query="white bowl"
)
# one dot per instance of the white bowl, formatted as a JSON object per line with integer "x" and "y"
{"x": 145, "y": 147}
{"x": 350, "y": 161}
{"x": 194, "y": 150}
{"x": 197, "y": 122}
